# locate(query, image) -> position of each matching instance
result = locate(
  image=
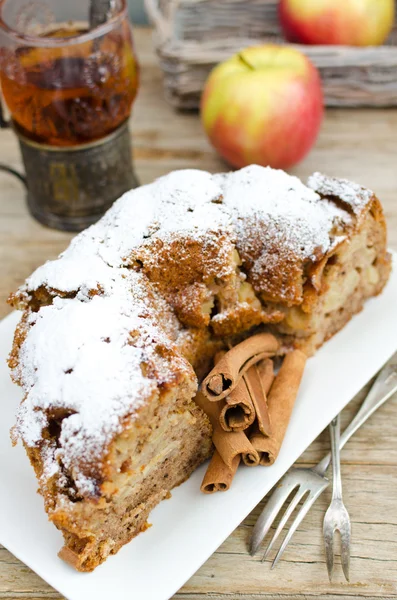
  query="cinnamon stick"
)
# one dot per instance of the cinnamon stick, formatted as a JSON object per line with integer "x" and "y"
{"x": 232, "y": 444}
{"x": 228, "y": 444}
{"x": 281, "y": 401}
{"x": 229, "y": 447}
{"x": 238, "y": 411}
{"x": 266, "y": 373}
{"x": 258, "y": 396}
{"x": 219, "y": 477}
{"x": 247, "y": 402}
{"x": 228, "y": 371}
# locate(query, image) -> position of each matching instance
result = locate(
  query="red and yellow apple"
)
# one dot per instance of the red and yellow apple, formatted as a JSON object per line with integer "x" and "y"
{"x": 264, "y": 105}
{"x": 349, "y": 22}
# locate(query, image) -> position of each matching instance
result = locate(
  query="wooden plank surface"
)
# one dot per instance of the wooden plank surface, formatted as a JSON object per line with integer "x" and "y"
{"x": 359, "y": 144}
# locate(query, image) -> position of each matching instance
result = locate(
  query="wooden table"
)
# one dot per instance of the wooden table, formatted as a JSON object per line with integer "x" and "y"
{"x": 359, "y": 144}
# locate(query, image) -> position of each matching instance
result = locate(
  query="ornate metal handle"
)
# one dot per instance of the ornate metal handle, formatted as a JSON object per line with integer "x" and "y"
{"x": 14, "y": 172}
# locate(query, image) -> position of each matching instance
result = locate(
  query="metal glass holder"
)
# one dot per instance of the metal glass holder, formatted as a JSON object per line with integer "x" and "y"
{"x": 69, "y": 188}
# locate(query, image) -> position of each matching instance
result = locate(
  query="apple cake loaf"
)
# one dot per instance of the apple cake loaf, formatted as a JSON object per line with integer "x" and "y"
{"x": 116, "y": 332}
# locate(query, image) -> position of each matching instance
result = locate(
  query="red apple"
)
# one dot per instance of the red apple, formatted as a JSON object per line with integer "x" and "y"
{"x": 349, "y": 22}
{"x": 264, "y": 105}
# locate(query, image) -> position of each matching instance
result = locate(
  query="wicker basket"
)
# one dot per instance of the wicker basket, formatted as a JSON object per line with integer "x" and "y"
{"x": 191, "y": 36}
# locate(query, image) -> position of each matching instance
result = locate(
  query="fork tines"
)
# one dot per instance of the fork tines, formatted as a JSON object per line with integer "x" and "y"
{"x": 300, "y": 483}
{"x": 337, "y": 519}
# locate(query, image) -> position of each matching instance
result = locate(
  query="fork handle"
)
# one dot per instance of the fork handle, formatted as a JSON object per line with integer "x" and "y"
{"x": 385, "y": 385}
{"x": 334, "y": 430}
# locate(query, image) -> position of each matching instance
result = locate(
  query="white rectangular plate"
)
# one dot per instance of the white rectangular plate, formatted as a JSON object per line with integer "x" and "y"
{"x": 189, "y": 527}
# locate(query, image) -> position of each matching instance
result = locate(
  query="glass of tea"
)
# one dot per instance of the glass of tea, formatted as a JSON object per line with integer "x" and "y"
{"x": 69, "y": 76}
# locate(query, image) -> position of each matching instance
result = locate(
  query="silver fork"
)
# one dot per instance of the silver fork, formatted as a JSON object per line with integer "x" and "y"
{"x": 336, "y": 518}
{"x": 312, "y": 482}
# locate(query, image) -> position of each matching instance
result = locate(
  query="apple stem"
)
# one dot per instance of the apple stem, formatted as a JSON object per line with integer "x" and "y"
{"x": 245, "y": 62}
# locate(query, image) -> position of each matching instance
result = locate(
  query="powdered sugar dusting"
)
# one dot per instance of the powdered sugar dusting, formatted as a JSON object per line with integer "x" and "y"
{"x": 80, "y": 364}
{"x": 181, "y": 202}
{"x": 259, "y": 200}
{"x": 280, "y": 224}
{"x": 350, "y": 193}
{"x": 79, "y": 267}
{"x": 284, "y": 209}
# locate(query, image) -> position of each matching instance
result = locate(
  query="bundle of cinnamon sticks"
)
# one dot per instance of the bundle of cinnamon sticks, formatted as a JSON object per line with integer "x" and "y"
{"x": 249, "y": 406}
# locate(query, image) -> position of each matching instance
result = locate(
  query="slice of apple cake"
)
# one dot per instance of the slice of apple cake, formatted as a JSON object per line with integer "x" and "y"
{"x": 116, "y": 332}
